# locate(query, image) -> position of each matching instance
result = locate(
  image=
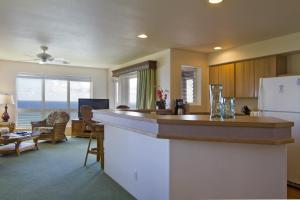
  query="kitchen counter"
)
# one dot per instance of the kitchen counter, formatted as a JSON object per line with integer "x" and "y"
{"x": 239, "y": 130}
{"x": 193, "y": 157}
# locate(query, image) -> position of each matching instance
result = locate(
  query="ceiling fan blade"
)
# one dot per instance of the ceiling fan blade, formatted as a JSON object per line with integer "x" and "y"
{"x": 31, "y": 60}
{"x": 51, "y": 59}
{"x": 60, "y": 61}
{"x": 29, "y": 55}
{"x": 41, "y": 62}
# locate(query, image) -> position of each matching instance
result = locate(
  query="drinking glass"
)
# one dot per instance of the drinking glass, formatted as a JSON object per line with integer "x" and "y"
{"x": 229, "y": 107}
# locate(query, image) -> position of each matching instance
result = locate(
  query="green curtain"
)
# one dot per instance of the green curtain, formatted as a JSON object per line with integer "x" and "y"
{"x": 146, "y": 81}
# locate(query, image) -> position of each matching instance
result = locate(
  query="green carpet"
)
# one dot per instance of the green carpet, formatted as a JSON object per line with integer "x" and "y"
{"x": 56, "y": 172}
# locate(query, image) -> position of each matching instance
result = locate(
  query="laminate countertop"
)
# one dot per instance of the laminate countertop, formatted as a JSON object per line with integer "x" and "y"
{"x": 242, "y": 129}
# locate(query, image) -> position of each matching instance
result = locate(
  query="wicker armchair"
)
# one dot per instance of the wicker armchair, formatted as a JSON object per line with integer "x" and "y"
{"x": 53, "y": 127}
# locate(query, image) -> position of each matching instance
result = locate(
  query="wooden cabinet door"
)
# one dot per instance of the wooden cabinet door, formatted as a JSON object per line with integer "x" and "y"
{"x": 281, "y": 64}
{"x": 263, "y": 67}
{"x": 244, "y": 79}
{"x": 226, "y": 78}
{"x": 214, "y": 75}
{"x": 76, "y": 127}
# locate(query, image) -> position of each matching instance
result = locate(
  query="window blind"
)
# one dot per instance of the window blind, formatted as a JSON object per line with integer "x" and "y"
{"x": 188, "y": 85}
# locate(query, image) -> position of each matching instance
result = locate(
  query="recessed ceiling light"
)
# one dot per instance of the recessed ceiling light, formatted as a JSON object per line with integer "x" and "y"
{"x": 215, "y": 1}
{"x": 143, "y": 36}
{"x": 217, "y": 48}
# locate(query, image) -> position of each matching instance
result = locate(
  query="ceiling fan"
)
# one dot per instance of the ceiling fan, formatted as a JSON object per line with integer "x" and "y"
{"x": 45, "y": 58}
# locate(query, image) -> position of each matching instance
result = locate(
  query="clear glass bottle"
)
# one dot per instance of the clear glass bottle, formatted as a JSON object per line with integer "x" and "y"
{"x": 229, "y": 107}
{"x": 216, "y": 101}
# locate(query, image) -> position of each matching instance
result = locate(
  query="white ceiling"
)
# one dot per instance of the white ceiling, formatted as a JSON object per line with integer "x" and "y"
{"x": 102, "y": 33}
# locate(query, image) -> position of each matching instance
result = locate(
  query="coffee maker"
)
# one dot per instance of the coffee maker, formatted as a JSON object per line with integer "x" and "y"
{"x": 179, "y": 107}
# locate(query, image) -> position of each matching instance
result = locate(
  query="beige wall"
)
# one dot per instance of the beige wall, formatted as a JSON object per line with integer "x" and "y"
{"x": 169, "y": 73}
{"x": 283, "y": 44}
{"x": 9, "y": 70}
{"x": 171, "y": 60}
{"x": 181, "y": 57}
{"x": 163, "y": 71}
{"x": 293, "y": 64}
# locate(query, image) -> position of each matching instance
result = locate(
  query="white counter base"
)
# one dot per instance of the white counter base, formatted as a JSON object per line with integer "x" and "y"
{"x": 151, "y": 168}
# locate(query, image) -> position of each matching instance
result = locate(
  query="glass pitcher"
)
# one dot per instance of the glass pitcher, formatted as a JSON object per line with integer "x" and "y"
{"x": 216, "y": 101}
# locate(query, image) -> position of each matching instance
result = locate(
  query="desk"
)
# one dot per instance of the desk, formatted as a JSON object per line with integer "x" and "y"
{"x": 78, "y": 129}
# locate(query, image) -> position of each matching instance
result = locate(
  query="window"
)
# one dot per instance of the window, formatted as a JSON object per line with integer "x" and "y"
{"x": 30, "y": 98}
{"x": 78, "y": 89}
{"x": 37, "y": 96}
{"x": 56, "y": 94}
{"x": 132, "y": 91}
{"x": 190, "y": 90}
{"x": 126, "y": 90}
{"x": 191, "y": 84}
{"x": 117, "y": 92}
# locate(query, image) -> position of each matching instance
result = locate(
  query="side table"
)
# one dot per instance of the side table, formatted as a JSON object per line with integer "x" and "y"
{"x": 10, "y": 125}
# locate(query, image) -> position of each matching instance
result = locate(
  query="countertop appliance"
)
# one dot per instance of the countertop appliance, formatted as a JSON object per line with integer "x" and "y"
{"x": 179, "y": 107}
{"x": 280, "y": 97}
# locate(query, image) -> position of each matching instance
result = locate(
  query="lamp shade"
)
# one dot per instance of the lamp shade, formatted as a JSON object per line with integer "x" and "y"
{"x": 6, "y": 99}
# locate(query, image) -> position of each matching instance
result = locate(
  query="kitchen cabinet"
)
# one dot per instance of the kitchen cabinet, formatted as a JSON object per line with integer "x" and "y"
{"x": 241, "y": 79}
{"x": 214, "y": 75}
{"x": 270, "y": 66}
{"x": 226, "y": 78}
{"x": 223, "y": 74}
{"x": 244, "y": 79}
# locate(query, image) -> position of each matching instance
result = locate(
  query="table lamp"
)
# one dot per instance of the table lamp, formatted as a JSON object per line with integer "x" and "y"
{"x": 6, "y": 99}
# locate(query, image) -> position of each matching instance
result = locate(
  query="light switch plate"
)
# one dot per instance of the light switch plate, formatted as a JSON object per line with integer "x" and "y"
{"x": 298, "y": 81}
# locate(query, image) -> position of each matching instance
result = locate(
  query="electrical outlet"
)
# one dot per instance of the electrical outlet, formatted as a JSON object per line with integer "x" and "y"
{"x": 135, "y": 175}
{"x": 281, "y": 88}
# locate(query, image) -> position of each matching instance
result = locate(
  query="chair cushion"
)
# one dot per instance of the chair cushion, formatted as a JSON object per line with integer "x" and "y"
{"x": 57, "y": 117}
{"x": 42, "y": 129}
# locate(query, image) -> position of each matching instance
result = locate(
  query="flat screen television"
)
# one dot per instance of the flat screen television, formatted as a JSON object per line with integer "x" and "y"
{"x": 94, "y": 103}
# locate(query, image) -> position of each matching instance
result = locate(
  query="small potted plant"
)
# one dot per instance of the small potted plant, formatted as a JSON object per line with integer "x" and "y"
{"x": 161, "y": 98}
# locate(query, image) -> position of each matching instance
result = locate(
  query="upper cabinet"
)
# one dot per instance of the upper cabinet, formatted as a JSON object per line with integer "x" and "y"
{"x": 223, "y": 74}
{"x": 271, "y": 66}
{"x": 226, "y": 78}
{"x": 244, "y": 79}
{"x": 241, "y": 79}
{"x": 214, "y": 75}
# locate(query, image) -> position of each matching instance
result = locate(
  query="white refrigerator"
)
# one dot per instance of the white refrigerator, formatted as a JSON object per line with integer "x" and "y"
{"x": 280, "y": 97}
